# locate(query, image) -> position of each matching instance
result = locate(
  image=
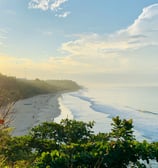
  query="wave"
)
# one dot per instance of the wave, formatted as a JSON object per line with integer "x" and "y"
{"x": 149, "y": 112}
{"x": 65, "y": 112}
{"x": 104, "y": 108}
{"x": 142, "y": 111}
{"x": 145, "y": 122}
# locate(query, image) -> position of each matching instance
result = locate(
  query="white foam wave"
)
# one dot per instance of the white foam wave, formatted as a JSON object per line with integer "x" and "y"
{"x": 65, "y": 112}
{"x": 88, "y": 109}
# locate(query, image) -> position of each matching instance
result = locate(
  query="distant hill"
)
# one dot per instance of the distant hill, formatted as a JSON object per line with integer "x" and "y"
{"x": 13, "y": 89}
{"x": 66, "y": 85}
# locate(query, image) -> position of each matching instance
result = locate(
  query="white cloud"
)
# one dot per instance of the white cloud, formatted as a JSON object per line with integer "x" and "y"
{"x": 146, "y": 22}
{"x": 143, "y": 32}
{"x": 53, "y": 5}
{"x": 56, "y": 5}
{"x": 64, "y": 15}
{"x": 39, "y": 4}
{"x": 112, "y": 53}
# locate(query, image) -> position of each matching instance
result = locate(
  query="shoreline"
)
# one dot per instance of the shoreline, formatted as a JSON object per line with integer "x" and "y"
{"x": 65, "y": 113}
{"x": 33, "y": 111}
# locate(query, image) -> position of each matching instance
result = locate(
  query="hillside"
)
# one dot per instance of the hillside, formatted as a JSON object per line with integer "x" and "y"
{"x": 13, "y": 89}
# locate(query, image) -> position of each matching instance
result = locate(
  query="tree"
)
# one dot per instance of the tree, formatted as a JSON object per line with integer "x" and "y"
{"x": 122, "y": 130}
{"x": 73, "y": 144}
{"x": 4, "y": 139}
{"x": 6, "y": 116}
{"x": 81, "y": 148}
{"x": 18, "y": 150}
{"x": 49, "y": 136}
{"x": 76, "y": 131}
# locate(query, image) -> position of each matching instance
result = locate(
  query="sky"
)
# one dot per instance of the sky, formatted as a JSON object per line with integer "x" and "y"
{"x": 103, "y": 41}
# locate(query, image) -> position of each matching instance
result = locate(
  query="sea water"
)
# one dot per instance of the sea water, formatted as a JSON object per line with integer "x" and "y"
{"x": 101, "y": 104}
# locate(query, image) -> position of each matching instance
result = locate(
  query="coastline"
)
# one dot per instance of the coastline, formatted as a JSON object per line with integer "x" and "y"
{"x": 64, "y": 111}
{"x": 33, "y": 111}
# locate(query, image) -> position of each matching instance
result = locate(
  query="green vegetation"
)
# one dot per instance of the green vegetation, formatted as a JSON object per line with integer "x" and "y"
{"x": 13, "y": 89}
{"x": 73, "y": 144}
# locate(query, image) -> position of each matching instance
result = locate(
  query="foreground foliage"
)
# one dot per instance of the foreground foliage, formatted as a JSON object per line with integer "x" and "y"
{"x": 73, "y": 144}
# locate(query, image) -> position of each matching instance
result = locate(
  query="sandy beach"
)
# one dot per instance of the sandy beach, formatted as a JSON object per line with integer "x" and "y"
{"x": 33, "y": 111}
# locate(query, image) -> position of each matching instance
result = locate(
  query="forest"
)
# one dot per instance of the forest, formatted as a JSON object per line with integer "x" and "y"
{"x": 13, "y": 89}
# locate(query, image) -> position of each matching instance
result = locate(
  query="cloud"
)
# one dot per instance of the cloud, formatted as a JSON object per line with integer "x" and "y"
{"x": 137, "y": 35}
{"x": 39, "y": 4}
{"x": 53, "y": 5}
{"x": 64, "y": 15}
{"x": 112, "y": 53}
{"x": 146, "y": 22}
{"x": 56, "y": 5}
{"x": 131, "y": 50}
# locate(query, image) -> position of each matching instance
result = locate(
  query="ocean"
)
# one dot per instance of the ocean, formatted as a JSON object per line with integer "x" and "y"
{"x": 101, "y": 103}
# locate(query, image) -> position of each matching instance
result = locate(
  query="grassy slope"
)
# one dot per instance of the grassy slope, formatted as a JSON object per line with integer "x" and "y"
{"x": 13, "y": 89}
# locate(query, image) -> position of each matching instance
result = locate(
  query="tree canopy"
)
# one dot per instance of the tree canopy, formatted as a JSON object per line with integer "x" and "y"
{"x": 73, "y": 144}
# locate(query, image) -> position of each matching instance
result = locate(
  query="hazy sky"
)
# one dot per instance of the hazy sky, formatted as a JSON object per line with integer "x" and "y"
{"x": 113, "y": 41}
